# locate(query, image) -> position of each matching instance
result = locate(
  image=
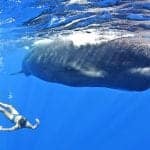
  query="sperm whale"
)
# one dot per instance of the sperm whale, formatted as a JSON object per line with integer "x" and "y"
{"x": 122, "y": 63}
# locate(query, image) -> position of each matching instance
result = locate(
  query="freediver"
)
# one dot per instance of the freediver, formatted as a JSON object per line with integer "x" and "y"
{"x": 13, "y": 115}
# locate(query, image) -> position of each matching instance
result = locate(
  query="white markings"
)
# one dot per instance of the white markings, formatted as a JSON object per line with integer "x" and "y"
{"x": 143, "y": 71}
{"x": 93, "y": 73}
{"x": 42, "y": 42}
{"x": 78, "y": 1}
{"x": 79, "y": 38}
{"x": 89, "y": 71}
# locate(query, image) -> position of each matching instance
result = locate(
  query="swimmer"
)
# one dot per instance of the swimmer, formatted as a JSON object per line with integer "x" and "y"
{"x": 20, "y": 121}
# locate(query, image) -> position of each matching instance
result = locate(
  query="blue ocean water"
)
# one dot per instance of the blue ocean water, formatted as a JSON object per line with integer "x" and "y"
{"x": 71, "y": 118}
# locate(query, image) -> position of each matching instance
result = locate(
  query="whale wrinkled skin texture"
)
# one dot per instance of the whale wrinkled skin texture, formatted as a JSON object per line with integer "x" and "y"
{"x": 122, "y": 63}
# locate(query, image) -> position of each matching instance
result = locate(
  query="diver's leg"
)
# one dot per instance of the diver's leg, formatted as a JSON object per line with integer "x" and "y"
{"x": 2, "y": 109}
{"x": 13, "y": 110}
{"x": 6, "y": 113}
{"x": 10, "y": 107}
{"x": 4, "y": 105}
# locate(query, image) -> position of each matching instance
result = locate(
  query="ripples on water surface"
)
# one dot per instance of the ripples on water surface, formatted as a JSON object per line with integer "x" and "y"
{"x": 49, "y": 16}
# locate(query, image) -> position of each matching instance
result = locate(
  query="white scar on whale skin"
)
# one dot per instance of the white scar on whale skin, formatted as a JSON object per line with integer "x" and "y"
{"x": 79, "y": 38}
{"x": 143, "y": 71}
{"x": 42, "y": 42}
{"x": 78, "y": 1}
{"x": 90, "y": 71}
{"x": 93, "y": 73}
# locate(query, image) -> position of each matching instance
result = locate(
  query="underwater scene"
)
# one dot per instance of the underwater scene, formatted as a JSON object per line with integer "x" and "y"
{"x": 74, "y": 74}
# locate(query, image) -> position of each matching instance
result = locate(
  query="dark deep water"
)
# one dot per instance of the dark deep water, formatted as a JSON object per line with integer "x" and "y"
{"x": 71, "y": 118}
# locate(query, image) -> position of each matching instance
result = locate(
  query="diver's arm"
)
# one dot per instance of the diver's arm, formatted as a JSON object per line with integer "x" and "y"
{"x": 13, "y": 128}
{"x": 29, "y": 125}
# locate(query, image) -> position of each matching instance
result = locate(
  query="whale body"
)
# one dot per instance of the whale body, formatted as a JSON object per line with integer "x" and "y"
{"x": 122, "y": 63}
